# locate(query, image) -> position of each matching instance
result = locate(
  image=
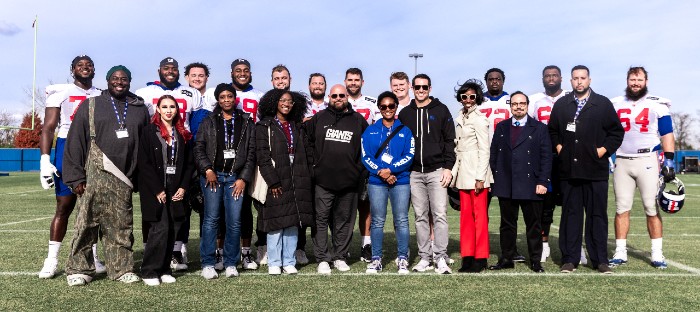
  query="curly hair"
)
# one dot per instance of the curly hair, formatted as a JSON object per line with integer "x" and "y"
{"x": 471, "y": 84}
{"x": 267, "y": 107}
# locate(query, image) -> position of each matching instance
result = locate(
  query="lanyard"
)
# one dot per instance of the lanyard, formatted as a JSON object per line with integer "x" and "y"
{"x": 121, "y": 122}
{"x": 173, "y": 148}
{"x": 290, "y": 142}
{"x": 381, "y": 136}
{"x": 228, "y": 139}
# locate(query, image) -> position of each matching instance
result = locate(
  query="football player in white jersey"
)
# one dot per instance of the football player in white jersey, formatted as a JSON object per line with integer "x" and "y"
{"x": 188, "y": 98}
{"x": 197, "y": 76}
{"x": 317, "y": 94}
{"x": 367, "y": 107}
{"x": 496, "y": 104}
{"x": 645, "y": 118}
{"x": 62, "y": 102}
{"x": 540, "y": 109}
{"x": 400, "y": 86}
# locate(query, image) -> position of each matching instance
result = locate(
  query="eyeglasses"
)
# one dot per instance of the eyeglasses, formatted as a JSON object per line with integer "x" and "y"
{"x": 335, "y": 96}
{"x": 289, "y": 101}
{"x": 385, "y": 107}
{"x": 418, "y": 87}
{"x": 465, "y": 97}
{"x": 521, "y": 104}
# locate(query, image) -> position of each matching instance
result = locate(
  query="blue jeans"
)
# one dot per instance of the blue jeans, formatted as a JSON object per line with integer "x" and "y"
{"x": 210, "y": 223}
{"x": 399, "y": 195}
{"x": 281, "y": 245}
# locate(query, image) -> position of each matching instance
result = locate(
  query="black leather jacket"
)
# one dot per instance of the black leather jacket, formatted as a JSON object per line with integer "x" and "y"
{"x": 205, "y": 145}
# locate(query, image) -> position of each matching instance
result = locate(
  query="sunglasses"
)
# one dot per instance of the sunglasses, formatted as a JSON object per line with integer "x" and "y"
{"x": 465, "y": 97}
{"x": 418, "y": 87}
{"x": 335, "y": 96}
{"x": 385, "y": 107}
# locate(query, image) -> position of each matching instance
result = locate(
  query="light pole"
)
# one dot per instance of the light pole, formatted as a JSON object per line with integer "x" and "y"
{"x": 415, "y": 67}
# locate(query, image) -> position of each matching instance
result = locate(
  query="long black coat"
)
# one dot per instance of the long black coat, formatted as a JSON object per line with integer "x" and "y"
{"x": 518, "y": 169}
{"x": 151, "y": 173}
{"x": 294, "y": 207}
{"x": 596, "y": 126}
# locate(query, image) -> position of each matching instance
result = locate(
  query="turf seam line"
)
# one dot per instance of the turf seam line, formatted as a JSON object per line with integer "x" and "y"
{"x": 25, "y": 221}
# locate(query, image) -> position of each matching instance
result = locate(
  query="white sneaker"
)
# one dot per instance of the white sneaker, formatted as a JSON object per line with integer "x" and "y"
{"x": 323, "y": 268}
{"x": 341, "y": 266}
{"x": 274, "y": 270}
{"x": 403, "y": 266}
{"x": 231, "y": 271}
{"x": 248, "y": 262}
{"x": 262, "y": 255}
{"x": 583, "y": 260}
{"x": 49, "y": 269}
{"x": 442, "y": 267}
{"x": 375, "y": 266}
{"x": 300, "y": 256}
{"x": 219, "y": 256}
{"x": 422, "y": 266}
{"x": 209, "y": 272}
{"x": 545, "y": 253}
{"x": 151, "y": 281}
{"x": 167, "y": 279}
{"x": 290, "y": 269}
{"x": 100, "y": 267}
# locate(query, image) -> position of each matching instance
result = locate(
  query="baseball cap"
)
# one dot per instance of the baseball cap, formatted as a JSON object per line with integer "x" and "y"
{"x": 168, "y": 61}
{"x": 240, "y": 61}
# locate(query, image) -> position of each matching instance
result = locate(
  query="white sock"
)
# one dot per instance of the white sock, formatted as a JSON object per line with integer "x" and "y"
{"x": 94, "y": 252}
{"x": 656, "y": 245}
{"x": 621, "y": 248}
{"x": 545, "y": 245}
{"x": 245, "y": 250}
{"x": 177, "y": 246}
{"x": 184, "y": 248}
{"x": 366, "y": 240}
{"x": 53, "y": 249}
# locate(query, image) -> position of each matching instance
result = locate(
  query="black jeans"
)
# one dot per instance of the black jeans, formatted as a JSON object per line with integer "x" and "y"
{"x": 532, "y": 214}
{"x": 591, "y": 197}
{"x": 337, "y": 210}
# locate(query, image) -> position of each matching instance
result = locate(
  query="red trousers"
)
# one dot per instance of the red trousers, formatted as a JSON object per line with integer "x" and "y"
{"x": 474, "y": 224}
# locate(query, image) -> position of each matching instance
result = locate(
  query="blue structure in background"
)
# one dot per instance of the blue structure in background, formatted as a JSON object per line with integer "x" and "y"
{"x": 20, "y": 159}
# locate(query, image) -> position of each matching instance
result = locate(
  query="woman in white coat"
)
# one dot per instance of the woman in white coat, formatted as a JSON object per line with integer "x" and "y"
{"x": 472, "y": 177}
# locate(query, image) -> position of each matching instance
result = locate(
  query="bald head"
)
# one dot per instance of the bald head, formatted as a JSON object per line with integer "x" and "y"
{"x": 338, "y": 97}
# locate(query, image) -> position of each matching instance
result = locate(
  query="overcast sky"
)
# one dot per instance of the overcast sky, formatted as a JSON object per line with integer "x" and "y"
{"x": 459, "y": 40}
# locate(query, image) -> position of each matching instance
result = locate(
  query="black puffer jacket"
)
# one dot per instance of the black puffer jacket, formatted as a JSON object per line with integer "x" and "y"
{"x": 294, "y": 207}
{"x": 205, "y": 145}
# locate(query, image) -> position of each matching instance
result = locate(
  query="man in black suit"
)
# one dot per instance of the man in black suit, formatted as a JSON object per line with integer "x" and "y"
{"x": 585, "y": 131}
{"x": 521, "y": 162}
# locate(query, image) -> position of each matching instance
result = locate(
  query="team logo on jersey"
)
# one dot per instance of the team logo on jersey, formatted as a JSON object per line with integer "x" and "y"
{"x": 653, "y": 98}
{"x": 186, "y": 92}
{"x": 367, "y": 98}
{"x": 338, "y": 135}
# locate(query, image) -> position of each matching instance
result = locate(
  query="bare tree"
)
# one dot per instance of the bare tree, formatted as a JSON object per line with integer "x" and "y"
{"x": 7, "y": 136}
{"x": 683, "y": 129}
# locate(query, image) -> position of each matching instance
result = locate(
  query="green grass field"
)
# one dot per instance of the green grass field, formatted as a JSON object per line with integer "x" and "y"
{"x": 26, "y": 210}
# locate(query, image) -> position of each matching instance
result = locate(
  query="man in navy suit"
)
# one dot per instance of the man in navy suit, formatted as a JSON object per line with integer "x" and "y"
{"x": 521, "y": 162}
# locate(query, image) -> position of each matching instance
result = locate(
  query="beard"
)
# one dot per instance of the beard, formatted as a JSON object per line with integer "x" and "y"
{"x": 552, "y": 89}
{"x": 582, "y": 92}
{"x": 85, "y": 80}
{"x": 354, "y": 93}
{"x": 317, "y": 96}
{"x": 169, "y": 85}
{"x": 635, "y": 96}
{"x": 240, "y": 86}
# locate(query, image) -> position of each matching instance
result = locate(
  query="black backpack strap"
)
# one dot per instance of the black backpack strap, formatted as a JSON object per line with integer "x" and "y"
{"x": 386, "y": 142}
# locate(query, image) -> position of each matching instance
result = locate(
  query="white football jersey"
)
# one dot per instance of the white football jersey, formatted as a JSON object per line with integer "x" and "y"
{"x": 495, "y": 112}
{"x": 187, "y": 98}
{"x": 541, "y": 108}
{"x": 68, "y": 100}
{"x": 208, "y": 100}
{"x": 641, "y": 122}
{"x": 55, "y": 88}
{"x": 246, "y": 101}
{"x": 367, "y": 107}
{"x": 314, "y": 108}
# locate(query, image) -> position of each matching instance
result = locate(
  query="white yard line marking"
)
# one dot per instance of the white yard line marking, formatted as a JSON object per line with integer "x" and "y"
{"x": 25, "y": 192}
{"x": 25, "y": 221}
{"x": 245, "y": 274}
{"x": 643, "y": 254}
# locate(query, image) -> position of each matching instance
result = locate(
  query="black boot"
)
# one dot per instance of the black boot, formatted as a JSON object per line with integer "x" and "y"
{"x": 478, "y": 266}
{"x": 467, "y": 263}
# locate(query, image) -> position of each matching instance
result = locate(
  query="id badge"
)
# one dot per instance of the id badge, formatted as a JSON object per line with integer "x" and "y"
{"x": 122, "y": 133}
{"x": 291, "y": 158}
{"x": 170, "y": 170}
{"x": 387, "y": 158}
{"x": 571, "y": 127}
{"x": 229, "y": 154}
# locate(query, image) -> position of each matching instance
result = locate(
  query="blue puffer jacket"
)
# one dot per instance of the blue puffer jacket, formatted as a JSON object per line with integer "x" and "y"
{"x": 401, "y": 148}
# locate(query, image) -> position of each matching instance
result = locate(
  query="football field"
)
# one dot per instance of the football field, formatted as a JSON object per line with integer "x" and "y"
{"x": 26, "y": 210}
